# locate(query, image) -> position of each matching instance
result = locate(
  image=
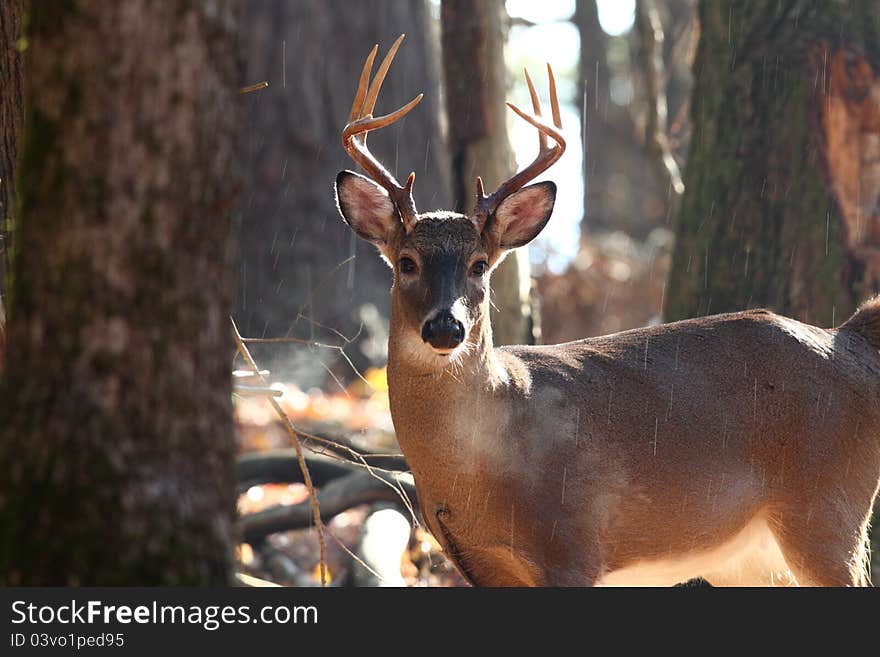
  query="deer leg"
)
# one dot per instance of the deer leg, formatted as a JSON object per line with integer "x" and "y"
{"x": 823, "y": 552}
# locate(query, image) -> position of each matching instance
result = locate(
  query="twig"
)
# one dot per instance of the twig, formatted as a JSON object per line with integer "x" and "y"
{"x": 253, "y": 87}
{"x": 311, "y": 297}
{"x": 372, "y": 470}
{"x": 243, "y": 579}
{"x": 276, "y": 340}
{"x": 307, "y": 479}
{"x": 314, "y": 343}
{"x": 650, "y": 32}
{"x": 246, "y": 374}
{"x": 360, "y": 460}
{"x": 255, "y": 391}
{"x": 385, "y": 462}
{"x": 356, "y": 557}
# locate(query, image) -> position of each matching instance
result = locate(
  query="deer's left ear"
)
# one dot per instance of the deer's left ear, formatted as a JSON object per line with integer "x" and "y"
{"x": 521, "y": 216}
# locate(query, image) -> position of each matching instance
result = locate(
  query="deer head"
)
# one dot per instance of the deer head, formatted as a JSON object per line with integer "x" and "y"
{"x": 442, "y": 261}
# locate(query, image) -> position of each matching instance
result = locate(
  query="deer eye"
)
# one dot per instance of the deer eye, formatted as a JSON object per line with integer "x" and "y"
{"x": 479, "y": 268}
{"x": 406, "y": 266}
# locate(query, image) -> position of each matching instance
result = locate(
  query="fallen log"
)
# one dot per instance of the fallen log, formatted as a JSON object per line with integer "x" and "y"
{"x": 357, "y": 487}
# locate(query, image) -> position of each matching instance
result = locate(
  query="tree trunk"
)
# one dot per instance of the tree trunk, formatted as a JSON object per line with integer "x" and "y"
{"x": 298, "y": 268}
{"x": 11, "y": 108}
{"x": 11, "y": 112}
{"x": 782, "y": 200}
{"x": 621, "y": 189}
{"x": 116, "y": 443}
{"x": 593, "y": 80}
{"x": 782, "y": 180}
{"x": 474, "y": 33}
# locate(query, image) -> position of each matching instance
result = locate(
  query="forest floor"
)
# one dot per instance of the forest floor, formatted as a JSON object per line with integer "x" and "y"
{"x": 360, "y": 413}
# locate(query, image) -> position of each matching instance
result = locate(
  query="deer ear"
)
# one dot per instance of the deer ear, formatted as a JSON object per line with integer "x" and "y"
{"x": 366, "y": 207}
{"x": 521, "y": 216}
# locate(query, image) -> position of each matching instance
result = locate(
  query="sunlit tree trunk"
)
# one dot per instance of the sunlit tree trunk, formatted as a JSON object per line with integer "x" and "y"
{"x": 782, "y": 200}
{"x": 474, "y": 34}
{"x": 116, "y": 442}
{"x": 297, "y": 268}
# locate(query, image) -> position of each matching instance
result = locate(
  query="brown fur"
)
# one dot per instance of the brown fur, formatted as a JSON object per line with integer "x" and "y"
{"x": 669, "y": 440}
{"x": 866, "y": 322}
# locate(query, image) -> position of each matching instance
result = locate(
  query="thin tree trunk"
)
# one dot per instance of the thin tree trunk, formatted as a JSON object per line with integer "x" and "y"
{"x": 11, "y": 108}
{"x": 116, "y": 442}
{"x": 301, "y": 266}
{"x": 782, "y": 200}
{"x": 593, "y": 96}
{"x": 474, "y": 33}
{"x": 11, "y": 113}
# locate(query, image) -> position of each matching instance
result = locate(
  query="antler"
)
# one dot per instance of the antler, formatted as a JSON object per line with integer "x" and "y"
{"x": 361, "y": 121}
{"x": 547, "y": 155}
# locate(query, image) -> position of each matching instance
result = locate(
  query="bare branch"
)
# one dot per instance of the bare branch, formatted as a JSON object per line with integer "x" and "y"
{"x": 243, "y": 579}
{"x": 307, "y": 480}
{"x": 255, "y": 391}
{"x": 253, "y": 87}
{"x": 342, "y": 447}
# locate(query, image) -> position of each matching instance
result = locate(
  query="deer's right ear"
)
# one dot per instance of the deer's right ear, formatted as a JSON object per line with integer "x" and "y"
{"x": 366, "y": 207}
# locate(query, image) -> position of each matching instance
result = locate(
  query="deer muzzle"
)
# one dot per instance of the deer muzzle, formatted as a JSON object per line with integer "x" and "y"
{"x": 443, "y": 331}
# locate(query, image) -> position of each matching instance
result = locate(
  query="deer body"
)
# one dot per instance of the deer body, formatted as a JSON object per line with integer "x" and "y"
{"x": 742, "y": 448}
{"x": 652, "y": 456}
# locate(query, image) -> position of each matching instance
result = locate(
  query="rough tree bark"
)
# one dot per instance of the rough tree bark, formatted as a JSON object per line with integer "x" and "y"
{"x": 783, "y": 181}
{"x": 782, "y": 200}
{"x": 116, "y": 442}
{"x": 473, "y": 34}
{"x": 11, "y": 113}
{"x": 293, "y": 241}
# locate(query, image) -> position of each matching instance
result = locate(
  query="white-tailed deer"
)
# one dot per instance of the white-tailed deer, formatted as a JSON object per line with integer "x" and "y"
{"x": 742, "y": 448}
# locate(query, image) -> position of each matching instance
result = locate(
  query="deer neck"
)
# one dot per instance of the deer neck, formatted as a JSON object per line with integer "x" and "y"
{"x": 437, "y": 410}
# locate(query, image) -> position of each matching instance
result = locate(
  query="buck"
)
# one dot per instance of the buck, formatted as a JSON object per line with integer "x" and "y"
{"x": 743, "y": 448}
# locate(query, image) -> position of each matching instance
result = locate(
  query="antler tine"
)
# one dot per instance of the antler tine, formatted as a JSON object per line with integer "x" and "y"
{"x": 536, "y": 105}
{"x": 379, "y": 78}
{"x": 358, "y": 105}
{"x": 547, "y": 155}
{"x": 361, "y": 121}
{"x": 554, "y": 99}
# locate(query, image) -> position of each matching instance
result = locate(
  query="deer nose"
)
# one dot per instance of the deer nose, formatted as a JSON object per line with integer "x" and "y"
{"x": 443, "y": 331}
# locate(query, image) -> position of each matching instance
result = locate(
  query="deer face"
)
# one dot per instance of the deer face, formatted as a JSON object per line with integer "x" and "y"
{"x": 442, "y": 261}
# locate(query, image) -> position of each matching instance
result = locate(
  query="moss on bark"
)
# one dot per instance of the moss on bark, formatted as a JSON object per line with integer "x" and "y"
{"x": 759, "y": 224}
